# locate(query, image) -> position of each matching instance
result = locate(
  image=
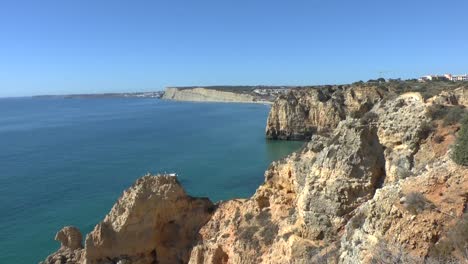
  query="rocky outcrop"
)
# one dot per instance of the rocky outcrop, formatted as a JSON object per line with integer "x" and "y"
{"x": 402, "y": 124}
{"x": 303, "y": 112}
{"x": 345, "y": 173}
{"x": 70, "y": 237}
{"x": 457, "y": 96}
{"x": 384, "y": 230}
{"x": 154, "y": 221}
{"x": 70, "y": 246}
{"x": 308, "y": 198}
{"x": 345, "y": 197}
{"x": 305, "y": 200}
{"x": 201, "y": 94}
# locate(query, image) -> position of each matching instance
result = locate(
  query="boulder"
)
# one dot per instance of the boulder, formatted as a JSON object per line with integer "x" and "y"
{"x": 70, "y": 250}
{"x": 70, "y": 237}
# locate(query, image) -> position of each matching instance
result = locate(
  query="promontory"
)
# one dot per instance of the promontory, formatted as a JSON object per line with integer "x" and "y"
{"x": 382, "y": 178}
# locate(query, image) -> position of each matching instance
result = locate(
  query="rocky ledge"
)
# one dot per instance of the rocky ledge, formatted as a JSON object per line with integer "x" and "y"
{"x": 379, "y": 187}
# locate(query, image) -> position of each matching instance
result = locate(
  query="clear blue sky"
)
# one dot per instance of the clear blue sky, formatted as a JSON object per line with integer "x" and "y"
{"x": 81, "y": 46}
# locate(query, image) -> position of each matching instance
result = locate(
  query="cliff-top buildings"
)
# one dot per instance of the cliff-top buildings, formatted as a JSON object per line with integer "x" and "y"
{"x": 445, "y": 77}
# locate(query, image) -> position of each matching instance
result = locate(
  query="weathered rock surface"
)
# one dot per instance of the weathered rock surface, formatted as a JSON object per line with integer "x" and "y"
{"x": 383, "y": 230}
{"x": 70, "y": 237}
{"x": 70, "y": 251}
{"x": 305, "y": 199}
{"x": 154, "y": 221}
{"x": 340, "y": 199}
{"x": 402, "y": 124}
{"x": 457, "y": 96}
{"x": 308, "y": 198}
{"x": 343, "y": 175}
{"x": 303, "y": 112}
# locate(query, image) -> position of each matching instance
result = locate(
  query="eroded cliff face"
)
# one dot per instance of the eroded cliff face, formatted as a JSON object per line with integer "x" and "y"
{"x": 300, "y": 212}
{"x": 457, "y": 96}
{"x": 345, "y": 197}
{"x": 402, "y": 124}
{"x": 154, "y": 221}
{"x": 71, "y": 248}
{"x": 303, "y": 112}
{"x": 384, "y": 229}
{"x": 206, "y": 95}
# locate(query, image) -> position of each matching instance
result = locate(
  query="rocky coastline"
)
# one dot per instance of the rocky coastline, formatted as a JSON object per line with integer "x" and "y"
{"x": 373, "y": 183}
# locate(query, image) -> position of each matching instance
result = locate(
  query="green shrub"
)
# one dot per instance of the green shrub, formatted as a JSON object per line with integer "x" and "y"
{"x": 454, "y": 115}
{"x": 454, "y": 244}
{"x": 436, "y": 112}
{"x": 458, "y": 236}
{"x": 425, "y": 129}
{"x": 449, "y": 114}
{"x": 460, "y": 150}
{"x": 415, "y": 203}
{"x": 386, "y": 252}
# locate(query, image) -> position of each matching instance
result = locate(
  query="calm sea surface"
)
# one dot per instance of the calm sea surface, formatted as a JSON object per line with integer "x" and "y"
{"x": 66, "y": 161}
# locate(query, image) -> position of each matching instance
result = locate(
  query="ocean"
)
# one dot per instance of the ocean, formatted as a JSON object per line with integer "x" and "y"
{"x": 66, "y": 161}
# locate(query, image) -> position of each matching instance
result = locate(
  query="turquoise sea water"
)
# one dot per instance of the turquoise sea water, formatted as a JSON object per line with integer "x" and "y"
{"x": 66, "y": 161}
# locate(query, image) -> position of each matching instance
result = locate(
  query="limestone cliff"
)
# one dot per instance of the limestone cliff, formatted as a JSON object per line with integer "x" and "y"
{"x": 457, "y": 96}
{"x": 303, "y": 112}
{"x": 301, "y": 210}
{"x": 70, "y": 250}
{"x": 201, "y": 94}
{"x": 154, "y": 221}
{"x": 387, "y": 228}
{"x": 379, "y": 187}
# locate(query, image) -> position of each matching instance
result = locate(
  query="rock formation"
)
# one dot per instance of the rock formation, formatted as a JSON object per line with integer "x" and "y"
{"x": 303, "y": 112}
{"x": 201, "y": 94}
{"x": 383, "y": 229}
{"x": 70, "y": 246}
{"x": 374, "y": 189}
{"x": 457, "y": 96}
{"x": 402, "y": 123}
{"x": 154, "y": 221}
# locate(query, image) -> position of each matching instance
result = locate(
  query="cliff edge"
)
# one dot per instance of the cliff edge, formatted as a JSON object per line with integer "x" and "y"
{"x": 378, "y": 186}
{"x": 302, "y": 112}
{"x": 201, "y": 94}
{"x": 154, "y": 221}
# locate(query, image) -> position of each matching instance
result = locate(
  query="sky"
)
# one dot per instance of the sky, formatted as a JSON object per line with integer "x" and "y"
{"x": 94, "y": 46}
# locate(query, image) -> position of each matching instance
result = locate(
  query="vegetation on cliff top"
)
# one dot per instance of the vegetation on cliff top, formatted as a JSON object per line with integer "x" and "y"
{"x": 460, "y": 149}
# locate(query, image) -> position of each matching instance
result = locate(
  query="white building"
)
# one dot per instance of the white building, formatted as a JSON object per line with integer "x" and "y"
{"x": 460, "y": 78}
{"x": 448, "y": 76}
{"x": 433, "y": 78}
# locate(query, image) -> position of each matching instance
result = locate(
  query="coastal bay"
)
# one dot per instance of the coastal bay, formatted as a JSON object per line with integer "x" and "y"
{"x": 66, "y": 161}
